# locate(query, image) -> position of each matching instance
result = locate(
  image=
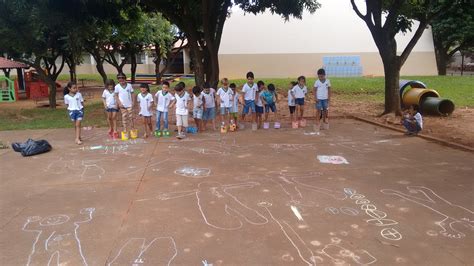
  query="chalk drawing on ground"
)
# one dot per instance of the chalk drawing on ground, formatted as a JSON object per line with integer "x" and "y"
{"x": 84, "y": 169}
{"x": 136, "y": 251}
{"x": 284, "y": 147}
{"x": 339, "y": 255}
{"x": 218, "y": 207}
{"x": 194, "y": 172}
{"x": 57, "y": 240}
{"x": 332, "y": 159}
{"x": 456, "y": 220}
{"x": 344, "y": 210}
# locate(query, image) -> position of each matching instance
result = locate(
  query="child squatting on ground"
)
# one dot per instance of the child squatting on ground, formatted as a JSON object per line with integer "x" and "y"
{"x": 111, "y": 107}
{"x": 125, "y": 101}
{"x": 74, "y": 101}
{"x": 412, "y": 120}
{"x": 145, "y": 99}
{"x": 163, "y": 99}
{"x": 322, "y": 95}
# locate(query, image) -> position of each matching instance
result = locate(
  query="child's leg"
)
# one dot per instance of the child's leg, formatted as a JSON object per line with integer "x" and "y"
{"x": 318, "y": 117}
{"x": 301, "y": 111}
{"x": 267, "y": 110}
{"x": 158, "y": 120}
{"x": 179, "y": 123}
{"x": 109, "y": 120}
{"x": 114, "y": 121}
{"x": 77, "y": 126}
{"x": 165, "y": 120}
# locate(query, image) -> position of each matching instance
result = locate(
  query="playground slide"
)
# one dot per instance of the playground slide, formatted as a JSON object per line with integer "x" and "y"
{"x": 413, "y": 92}
{"x": 437, "y": 106}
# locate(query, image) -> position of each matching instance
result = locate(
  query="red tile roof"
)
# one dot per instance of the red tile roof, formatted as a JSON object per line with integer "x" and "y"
{"x": 5, "y": 63}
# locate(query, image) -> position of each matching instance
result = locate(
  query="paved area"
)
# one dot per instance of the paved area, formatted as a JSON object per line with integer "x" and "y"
{"x": 245, "y": 198}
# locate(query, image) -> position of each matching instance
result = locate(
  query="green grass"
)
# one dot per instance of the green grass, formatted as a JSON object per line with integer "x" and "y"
{"x": 44, "y": 117}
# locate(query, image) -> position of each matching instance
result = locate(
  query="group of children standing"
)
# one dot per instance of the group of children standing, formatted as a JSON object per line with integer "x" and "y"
{"x": 256, "y": 99}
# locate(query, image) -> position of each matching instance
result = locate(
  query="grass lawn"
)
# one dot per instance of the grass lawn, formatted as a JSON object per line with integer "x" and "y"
{"x": 459, "y": 89}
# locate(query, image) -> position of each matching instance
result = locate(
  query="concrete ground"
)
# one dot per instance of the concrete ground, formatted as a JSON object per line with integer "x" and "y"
{"x": 244, "y": 198}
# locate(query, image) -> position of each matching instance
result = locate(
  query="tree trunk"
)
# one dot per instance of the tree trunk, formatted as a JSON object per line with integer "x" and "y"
{"x": 392, "y": 91}
{"x": 52, "y": 93}
{"x": 133, "y": 67}
{"x": 157, "y": 61}
{"x": 441, "y": 55}
{"x": 99, "y": 65}
{"x": 72, "y": 72}
{"x": 214, "y": 75}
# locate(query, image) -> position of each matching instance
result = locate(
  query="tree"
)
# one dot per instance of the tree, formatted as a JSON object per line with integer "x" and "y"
{"x": 203, "y": 23}
{"x": 453, "y": 32}
{"x": 399, "y": 15}
{"x": 36, "y": 37}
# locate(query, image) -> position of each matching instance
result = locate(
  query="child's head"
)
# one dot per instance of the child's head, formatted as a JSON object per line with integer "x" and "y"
{"x": 271, "y": 87}
{"x": 207, "y": 87}
{"x": 182, "y": 84}
{"x": 109, "y": 84}
{"x": 122, "y": 78}
{"x": 293, "y": 83}
{"x": 321, "y": 73}
{"x": 73, "y": 87}
{"x": 301, "y": 80}
{"x": 196, "y": 90}
{"x": 260, "y": 85}
{"x": 250, "y": 77}
{"x": 178, "y": 88}
{"x": 144, "y": 88}
{"x": 225, "y": 82}
{"x": 233, "y": 86}
{"x": 414, "y": 109}
{"x": 165, "y": 86}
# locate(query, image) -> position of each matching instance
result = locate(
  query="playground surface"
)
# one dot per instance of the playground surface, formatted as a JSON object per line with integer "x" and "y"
{"x": 356, "y": 194}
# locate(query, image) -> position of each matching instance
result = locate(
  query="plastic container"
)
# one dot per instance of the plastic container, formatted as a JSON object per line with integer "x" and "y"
{"x": 134, "y": 133}
{"x": 266, "y": 125}
{"x": 303, "y": 123}
{"x": 277, "y": 125}
{"x": 294, "y": 124}
{"x": 124, "y": 135}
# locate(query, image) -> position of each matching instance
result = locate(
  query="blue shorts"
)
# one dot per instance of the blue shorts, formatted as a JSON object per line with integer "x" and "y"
{"x": 225, "y": 110}
{"x": 269, "y": 107}
{"x": 259, "y": 109}
{"x": 198, "y": 113}
{"x": 112, "y": 110}
{"x": 209, "y": 114}
{"x": 322, "y": 104}
{"x": 76, "y": 115}
{"x": 299, "y": 101}
{"x": 249, "y": 104}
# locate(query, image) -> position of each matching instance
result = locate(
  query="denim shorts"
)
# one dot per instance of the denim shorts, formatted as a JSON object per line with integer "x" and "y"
{"x": 299, "y": 101}
{"x": 322, "y": 104}
{"x": 249, "y": 104}
{"x": 259, "y": 109}
{"x": 209, "y": 114}
{"x": 112, "y": 110}
{"x": 269, "y": 107}
{"x": 197, "y": 113}
{"x": 76, "y": 115}
{"x": 225, "y": 110}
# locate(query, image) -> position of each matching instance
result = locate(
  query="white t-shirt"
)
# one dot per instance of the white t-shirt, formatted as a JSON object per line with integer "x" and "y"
{"x": 419, "y": 119}
{"x": 249, "y": 92}
{"x": 299, "y": 92}
{"x": 182, "y": 103}
{"x": 225, "y": 97}
{"x": 124, "y": 94}
{"x": 259, "y": 100}
{"x": 74, "y": 102}
{"x": 145, "y": 102}
{"x": 322, "y": 92}
{"x": 210, "y": 98}
{"x": 291, "y": 99}
{"x": 109, "y": 98}
{"x": 235, "y": 103}
{"x": 163, "y": 101}
{"x": 197, "y": 101}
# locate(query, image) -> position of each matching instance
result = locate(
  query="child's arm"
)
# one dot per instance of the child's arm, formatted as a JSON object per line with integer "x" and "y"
{"x": 117, "y": 100}
{"x": 105, "y": 103}
{"x": 275, "y": 97}
{"x": 315, "y": 91}
{"x": 203, "y": 103}
{"x": 263, "y": 99}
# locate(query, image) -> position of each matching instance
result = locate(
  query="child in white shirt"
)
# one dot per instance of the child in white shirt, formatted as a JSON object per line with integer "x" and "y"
{"x": 234, "y": 112}
{"x": 110, "y": 105}
{"x": 298, "y": 92}
{"x": 182, "y": 99}
{"x": 163, "y": 99}
{"x": 209, "y": 95}
{"x": 413, "y": 121}
{"x": 125, "y": 101}
{"x": 249, "y": 91}
{"x": 259, "y": 104}
{"x": 226, "y": 96}
{"x": 291, "y": 100}
{"x": 198, "y": 106}
{"x": 74, "y": 101}
{"x": 145, "y": 99}
{"x": 322, "y": 95}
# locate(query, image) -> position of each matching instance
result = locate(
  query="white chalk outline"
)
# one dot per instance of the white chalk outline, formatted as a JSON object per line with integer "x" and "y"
{"x": 349, "y": 253}
{"x": 144, "y": 248}
{"x": 194, "y": 172}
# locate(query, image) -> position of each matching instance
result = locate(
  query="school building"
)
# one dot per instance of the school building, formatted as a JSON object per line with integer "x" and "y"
{"x": 334, "y": 37}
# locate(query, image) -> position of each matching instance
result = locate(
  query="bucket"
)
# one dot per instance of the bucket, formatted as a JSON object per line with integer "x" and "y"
{"x": 277, "y": 125}
{"x": 254, "y": 126}
{"x": 124, "y": 135}
{"x": 232, "y": 127}
{"x": 302, "y": 122}
{"x": 223, "y": 129}
{"x": 115, "y": 135}
{"x": 266, "y": 125}
{"x": 134, "y": 133}
{"x": 294, "y": 124}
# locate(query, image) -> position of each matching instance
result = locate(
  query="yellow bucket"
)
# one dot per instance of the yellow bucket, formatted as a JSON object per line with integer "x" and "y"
{"x": 124, "y": 135}
{"x": 134, "y": 133}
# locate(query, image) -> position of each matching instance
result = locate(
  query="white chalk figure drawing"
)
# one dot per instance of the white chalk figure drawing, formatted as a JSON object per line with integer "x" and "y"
{"x": 332, "y": 159}
{"x": 85, "y": 169}
{"x": 345, "y": 210}
{"x": 136, "y": 251}
{"x": 193, "y": 172}
{"x": 57, "y": 241}
{"x": 290, "y": 183}
{"x": 219, "y": 208}
{"x": 339, "y": 255}
{"x": 457, "y": 220}
{"x": 282, "y": 147}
